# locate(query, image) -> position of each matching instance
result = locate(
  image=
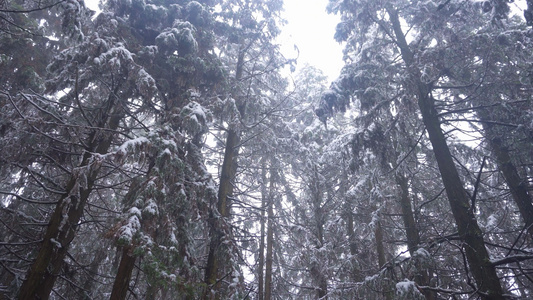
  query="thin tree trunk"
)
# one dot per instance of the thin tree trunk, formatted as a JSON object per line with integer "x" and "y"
{"x": 127, "y": 259}
{"x": 270, "y": 235}
{"x": 347, "y": 209}
{"x": 488, "y": 283}
{"x": 413, "y": 237}
{"x": 225, "y": 192}
{"x": 380, "y": 248}
{"x": 317, "y": 269}
{"x": 422, "y": 278}
{"x": 264, "y": 195}
{"x": 65, "y": 218}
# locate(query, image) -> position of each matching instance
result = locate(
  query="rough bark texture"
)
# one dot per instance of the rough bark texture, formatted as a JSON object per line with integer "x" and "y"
{"x": 122, "y": 280}
{"x": 225, "y": 192}
{"x": 484, "y": 273}
{"x": 517, "y": 185}
{"x": 63, "y": 222}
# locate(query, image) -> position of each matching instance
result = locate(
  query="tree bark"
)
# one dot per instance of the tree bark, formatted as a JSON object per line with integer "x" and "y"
{"x": 270, "y": 235}
{"x": 517, "y": 185}
{"x": 380, "y": 248}
{"x": 422, "y": 278}
{"x": 65, "y": 218}
{"x": 225, "y": 192}
{"x": 122, "y": 280}
{"x": 317, "y": 269}
{"x": 484, "y": 273}
{"x": 261, "y": 263}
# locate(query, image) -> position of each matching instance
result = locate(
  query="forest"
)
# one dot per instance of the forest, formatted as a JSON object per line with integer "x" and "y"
{"x": 167, "y": 149}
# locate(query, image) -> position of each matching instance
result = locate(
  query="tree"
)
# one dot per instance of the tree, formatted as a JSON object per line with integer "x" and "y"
{"x": 418, "y": 80}
{"x": 249, "y": 49}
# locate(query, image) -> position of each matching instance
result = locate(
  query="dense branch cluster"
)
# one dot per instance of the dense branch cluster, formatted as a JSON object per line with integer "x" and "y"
{"x": 157, "y": 150}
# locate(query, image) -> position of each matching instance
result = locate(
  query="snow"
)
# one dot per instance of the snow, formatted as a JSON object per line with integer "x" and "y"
{"x": 132, "y": 226}
{"x": 130, "y": 144}
{"x": 405, "y": 287}
{"x": 145, "y": 82}
{"x": 56, "y": 243}
{"x": 151, "y": 207}
{"x": 492, "y": 223}
{"x": 422, "y": 253}
{"x": 166, "y": 152}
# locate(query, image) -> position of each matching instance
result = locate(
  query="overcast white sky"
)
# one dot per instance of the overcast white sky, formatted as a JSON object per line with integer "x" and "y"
{"x": 311, "y": 28}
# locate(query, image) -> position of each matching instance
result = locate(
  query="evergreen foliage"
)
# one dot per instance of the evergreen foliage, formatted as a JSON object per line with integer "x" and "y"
{"x": 157, "y": 149}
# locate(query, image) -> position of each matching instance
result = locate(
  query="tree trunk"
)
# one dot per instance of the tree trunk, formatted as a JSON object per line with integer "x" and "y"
{"x": 65, "y": 218}
{"x": 411, "y": 231}
{"x": 264, "y": 195}
{"x": 382, "y": 261}
{"x": 217, "y": 231}
{"x": 517, "y": 185}
{"x": 225, "y": 192}
{"x": 316, "y": 268}
{"x": 422, "y": 278}
{"x": 122, "y": 280}
{"x": 270, "y": 235}
{"x": 348, "y": 216}
{"x": 488, "y": 283}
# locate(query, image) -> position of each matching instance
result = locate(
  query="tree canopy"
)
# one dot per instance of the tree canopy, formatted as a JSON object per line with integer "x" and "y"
{"x": 161, "y": 149}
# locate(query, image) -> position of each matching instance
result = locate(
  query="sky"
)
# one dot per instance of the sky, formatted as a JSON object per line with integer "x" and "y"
{"x": 312, "y": 29}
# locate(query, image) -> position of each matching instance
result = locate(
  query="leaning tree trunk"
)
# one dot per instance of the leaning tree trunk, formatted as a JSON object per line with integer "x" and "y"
{"x": 516, "y": 184}
{"x": 67, "y": 214}
{"x": 488, "y": 283}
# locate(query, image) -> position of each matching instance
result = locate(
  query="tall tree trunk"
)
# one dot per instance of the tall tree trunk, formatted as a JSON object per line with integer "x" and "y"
{"x": 317, "y": 271}
{"x": 66, "y": 216}
{"x": 348, "y": 218}
{"x": 411, "y": 231}
{"x": 264, "y": 195}
{"x": 127, "y": 259}
{"x": 217, "y": 230}
{"x": 488, "y": 283}
{"x": 516, "y": 184}
{"x": 270, "y": 235}
{"x": 382, "y": 261}
{"x": 422, "y": 278}
{"x": 225, "y": 192}
{"x": 125, "y": 269}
